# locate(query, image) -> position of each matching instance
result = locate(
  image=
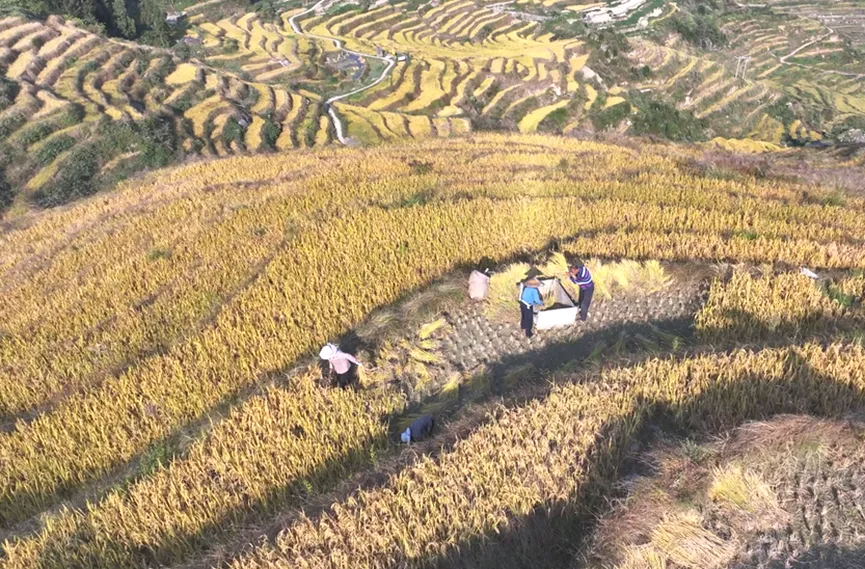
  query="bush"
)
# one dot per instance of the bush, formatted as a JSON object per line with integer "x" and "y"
{"x": 554, "y": 122}
{"x": 269, "y": 133}
{"x": 73, "y": 180}
{"x": 54, "y": 148}
{"x": 340, "y": 9}
{"x": 232, "y": 132}
{"x": 11, "y": 123}
{"x": 8, "y": 91}
{"x": 564, "y": 27}
{"x": 230, "y": 46}
{"x": 6, "y": 193}
{"x": 782, "y": 110}
{"x": 610, "y": 118}
{"x": 35, "y": 133}
{"x": 153, "y": 140}
{"x": 701, "y": 31}
{"x": 609, "y": 57}
{"x": 661, "y": 119}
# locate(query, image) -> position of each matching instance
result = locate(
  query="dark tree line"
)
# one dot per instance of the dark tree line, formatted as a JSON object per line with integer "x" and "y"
{"x": 131, "y": 19}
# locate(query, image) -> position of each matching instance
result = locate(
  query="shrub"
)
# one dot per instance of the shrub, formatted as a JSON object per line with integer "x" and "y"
{"x": 36, "y": 132}
{"x": 159, "y": 140}
{"x": 661, "y": 119}
{"x": 153, "y": 141}
{"x": 269, "y": 133}
{"x": 554, "y": 122}
{"x": 54, "y": 148}
{"x": 11, "y": 123}
{"x": 6, "y": 193}
{"x": 73, "y": 180}
{"x": 232, "y": 132}
{"x": 701, "y": 31}
{"x": 605, "y": 119}
{"x": 8, "y": 91}
{"x": 564, "y": 26}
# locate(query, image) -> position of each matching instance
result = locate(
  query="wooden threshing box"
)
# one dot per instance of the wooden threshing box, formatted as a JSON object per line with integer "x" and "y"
{"x": 564, "y": 310}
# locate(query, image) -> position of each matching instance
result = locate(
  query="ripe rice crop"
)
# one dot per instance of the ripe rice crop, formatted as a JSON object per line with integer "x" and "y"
{"x": 278, "y": 220}
{"x": 530, "y": 122}
{"x": 786, "y": 307}
{"x": 259, "y": 457}
{"x": 542, "y": 457}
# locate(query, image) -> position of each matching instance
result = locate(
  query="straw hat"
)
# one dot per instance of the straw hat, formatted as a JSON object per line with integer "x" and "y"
{"x": 327, "y": 352}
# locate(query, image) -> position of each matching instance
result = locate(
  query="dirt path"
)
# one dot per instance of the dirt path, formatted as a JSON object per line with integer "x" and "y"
{"x": 390, "y": 62}
{"x": 783, "y": 59}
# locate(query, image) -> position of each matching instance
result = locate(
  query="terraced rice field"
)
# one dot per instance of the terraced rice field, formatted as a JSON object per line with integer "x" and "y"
{"x": 461, "y": 65}
{"x": 161, "y": 407}
{"x": 793, "y": 53}
{"x": 78, "y": 73}
{"x": 461, "y": 57}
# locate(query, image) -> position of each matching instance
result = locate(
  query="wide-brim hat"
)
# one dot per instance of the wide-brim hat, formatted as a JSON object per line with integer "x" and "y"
{"x": 327, "y": 352}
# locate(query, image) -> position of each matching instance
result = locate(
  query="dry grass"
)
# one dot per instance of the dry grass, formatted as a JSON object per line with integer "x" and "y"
{"x": 626, "y": 276}
{"x": 789, "y": 431}
{"x": 689, "y": 516}
{"x": 685, "y": 543}
{"x": 394, "y": 321}
{"x": 642, "y": 557}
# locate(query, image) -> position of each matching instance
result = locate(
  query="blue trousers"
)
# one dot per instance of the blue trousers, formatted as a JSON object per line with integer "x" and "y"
{"x": 585, "y": 301}
{"x": 527, "y": 319}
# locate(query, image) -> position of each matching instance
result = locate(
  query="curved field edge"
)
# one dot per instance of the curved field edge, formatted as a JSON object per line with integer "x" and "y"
{"x": 390, "y": 240}
{"x": 542, "y": 459}
{"x": 776, "y": 492}
{"x": 224, "y": 481}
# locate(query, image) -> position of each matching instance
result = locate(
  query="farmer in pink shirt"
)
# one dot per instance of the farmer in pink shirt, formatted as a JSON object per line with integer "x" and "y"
{"x": 341, "y": 363}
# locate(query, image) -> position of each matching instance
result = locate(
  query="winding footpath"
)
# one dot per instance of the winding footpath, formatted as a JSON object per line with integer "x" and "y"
{"x": 784, "y": 59}
{"x": 337, "y": 122}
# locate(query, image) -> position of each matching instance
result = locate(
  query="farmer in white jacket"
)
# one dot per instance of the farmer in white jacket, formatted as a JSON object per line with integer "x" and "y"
{"x": 341, "y": 363}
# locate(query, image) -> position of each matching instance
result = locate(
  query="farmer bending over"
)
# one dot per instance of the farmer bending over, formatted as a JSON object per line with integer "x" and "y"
{"x": 341, "y": 363}
{"x": 529, "y": 299}
{"x": 581, "y": 277}
{"x": 421, "y": 428}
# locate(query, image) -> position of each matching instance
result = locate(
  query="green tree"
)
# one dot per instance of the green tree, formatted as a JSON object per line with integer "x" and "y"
{"x": 123, "y": 24}
{"x": 160, "y": 34}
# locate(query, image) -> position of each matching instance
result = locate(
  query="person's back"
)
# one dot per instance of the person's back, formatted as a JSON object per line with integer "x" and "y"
{"x": 340, "y": 363}
{"x": 581, "y": 277}
{"x": 531, "y": 296}
{"x": 420, "y": 428}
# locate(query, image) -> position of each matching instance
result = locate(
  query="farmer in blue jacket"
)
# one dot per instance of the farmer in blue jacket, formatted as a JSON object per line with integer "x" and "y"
{"x": 530, "y": 297}
{"x": 420, "y": 428}
{"x": 581, "y": 277}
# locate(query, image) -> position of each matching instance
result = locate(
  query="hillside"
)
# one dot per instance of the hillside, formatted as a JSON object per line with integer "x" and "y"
{"x": 161, "y": 402}
{"x": 80, "y": 111}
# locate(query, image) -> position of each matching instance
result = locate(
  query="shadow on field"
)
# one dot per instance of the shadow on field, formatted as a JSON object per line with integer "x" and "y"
{"x": 634, "y": 339}
{"x": 546, "y": 538}
{"x": 552, "y": 536}
{"x": 746, "y": 329}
